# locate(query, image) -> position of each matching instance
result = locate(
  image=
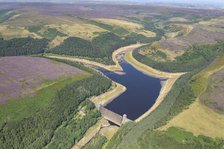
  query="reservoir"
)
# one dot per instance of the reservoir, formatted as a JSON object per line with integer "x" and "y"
{"x": 142, "y": 91}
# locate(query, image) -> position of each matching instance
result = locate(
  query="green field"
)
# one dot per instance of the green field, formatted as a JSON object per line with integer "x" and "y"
{"x": 16, "y": 110}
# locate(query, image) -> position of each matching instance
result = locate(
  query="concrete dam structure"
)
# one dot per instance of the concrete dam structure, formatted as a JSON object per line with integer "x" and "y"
{"x": 112, "y": 116}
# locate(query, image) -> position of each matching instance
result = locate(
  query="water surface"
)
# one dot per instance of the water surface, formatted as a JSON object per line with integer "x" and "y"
{"x": 142, "y": 91}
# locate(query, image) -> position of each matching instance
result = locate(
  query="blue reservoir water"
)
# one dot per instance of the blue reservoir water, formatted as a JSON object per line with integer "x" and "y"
{"x": 142, "y": 91}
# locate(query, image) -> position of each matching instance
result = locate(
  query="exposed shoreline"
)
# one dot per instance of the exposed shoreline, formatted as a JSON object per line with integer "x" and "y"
{"x": 117, "y": 89}
{"x": 166, "y": 85}
{"x": 115, "y": 68}
{"x": 110, "y": 95}
{"x": 149, "y": 70}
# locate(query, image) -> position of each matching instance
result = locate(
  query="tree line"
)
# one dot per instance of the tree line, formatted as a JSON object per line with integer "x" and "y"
{"x": 22, "y": 46}
{"x": 37, "y": 130}
{"x": 101, "y": 46}
{"x": 194, "y": 57}
{"x": 179, "y": 98}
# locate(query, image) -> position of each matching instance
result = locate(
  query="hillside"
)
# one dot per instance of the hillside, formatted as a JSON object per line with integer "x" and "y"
{"x": 51, "y": 88}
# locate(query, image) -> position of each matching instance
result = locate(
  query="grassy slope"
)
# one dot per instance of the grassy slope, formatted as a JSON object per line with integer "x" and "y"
{"x": 129, "y": 26}
{"x": 57, "y": 29}
{"x": 5, "y": 15}
{"x": 178, "y": 99}
{"x": 101, "y": 47}
{"x": 16, "y": 110}
{"x": 45, "y": 26}
{"x": 199, "y": 119}
{"x": 90, "y": 135}
{"x": 129, "y": 134}
{"x": 96, "y": 143}
{"x": 194, "y": 57}
{"x": 129, "y": 57}
{"x": 114, "y": 29}
{"x": 45, "y": 32}
{"x": 38, "y": 129}
{"x": 175, "y": 138}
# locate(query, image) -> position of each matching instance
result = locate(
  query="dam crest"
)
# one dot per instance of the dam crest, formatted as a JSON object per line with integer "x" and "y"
{"x": 112, "y": 116}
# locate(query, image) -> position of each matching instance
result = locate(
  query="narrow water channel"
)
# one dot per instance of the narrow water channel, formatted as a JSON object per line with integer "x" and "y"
{"x": 142, "y": 91}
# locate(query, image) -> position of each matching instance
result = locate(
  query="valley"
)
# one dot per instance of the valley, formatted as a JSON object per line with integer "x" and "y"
{"x": 159, "y": 68}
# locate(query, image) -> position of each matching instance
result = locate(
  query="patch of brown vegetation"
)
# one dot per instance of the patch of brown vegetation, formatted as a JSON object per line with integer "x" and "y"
{"x": 130, "y": 26}
{"x": 78, "y": 29}
{"x": 214, "y": 94}
{"x": 174, "y": 44}
{"x": 178, "y": 19}
{"x": 21, "y": 75}
{"x": 9, "y": 32}
{"x": 155, "y": 47}
{"x": 71, "y": 26}
{"x": 56, "y": 41}
{"x": 207, "y": 32}
{"x": 108, "y": 132}
{"x": 199, "y": 118}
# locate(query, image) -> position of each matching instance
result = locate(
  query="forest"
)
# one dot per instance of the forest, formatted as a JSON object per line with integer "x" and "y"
{"x": 60, "y": 113}
{"x": 22, "y": 46}
{"x": 45, "y": 32}
{"x": 178, "y": 99}
{"x": 101, "y": 46}
{"x": 37, "y": 130}
{"x": 194, "y": 57}
{"x": 174, "y": 138}
{"x": 72, "y": 131}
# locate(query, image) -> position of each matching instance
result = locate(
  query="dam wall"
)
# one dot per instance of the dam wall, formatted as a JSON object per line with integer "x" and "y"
{"x": 112, "y": 116}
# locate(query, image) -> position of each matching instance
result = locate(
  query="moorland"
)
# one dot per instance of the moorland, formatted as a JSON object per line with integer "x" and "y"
{"x": 46, "y": 102}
